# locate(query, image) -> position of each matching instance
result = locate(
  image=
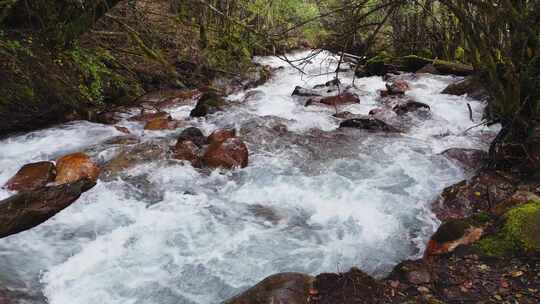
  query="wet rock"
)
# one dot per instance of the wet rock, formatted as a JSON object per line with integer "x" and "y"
{"x": 299, "y": 91}
{"x": 123, "y": 140}
{"x": 355, "y": 286}
{"x": 194, "y": 135}
{"x": 264, "y": 212}
{"x": 32, "y": 177}
{"x": 347, "y": 115}
{"x": 368, "y": 123}
{"x": 221, "y": 135}
{"x": 171, "y": 98}
{"x": 518, "y": 198}
{"x": 289, "y": 288}
{"x": 259, "y": 75}
{"x": 471, "y": 86}
{"x": 343, "y": 99}
{"x": 410, "y": 106}
{"x": 455, "y": 233}
{"x": 163, "y": 123}
{"x": 148, "y": 115}
{"x": 122, "y": 129}
{"x": 253, "y": 95}
{"x": 397, "y": 87}
{"x": 108, "y": 117}
{"x": 74, "y": 167}
{"x": 478, "y": 194}
{"x": 28, "y": 209}
{"x": 132, "y": 156}
{"x": 232, "y": 153}
{"x": 188, "y": 151}
{"x": 471, "y": 159}
{"x": 332, "y": 83}
{"x": 209, "y": 103}
{"x": 412, "y": 272}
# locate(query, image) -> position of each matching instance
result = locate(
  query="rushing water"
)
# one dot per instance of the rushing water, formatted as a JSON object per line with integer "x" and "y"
{"x": 313, "y": 199}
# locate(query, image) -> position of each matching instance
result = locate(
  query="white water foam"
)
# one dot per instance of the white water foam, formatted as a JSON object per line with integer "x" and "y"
{"x": 312, "y": 202}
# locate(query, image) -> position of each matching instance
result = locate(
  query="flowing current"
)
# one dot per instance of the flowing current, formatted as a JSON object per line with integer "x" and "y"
{"x": 313, "y": 199}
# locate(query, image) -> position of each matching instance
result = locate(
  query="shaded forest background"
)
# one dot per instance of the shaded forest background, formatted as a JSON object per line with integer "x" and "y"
{"x": 64, "y": 59}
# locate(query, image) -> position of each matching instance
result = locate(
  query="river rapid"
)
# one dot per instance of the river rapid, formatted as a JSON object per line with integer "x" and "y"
{"x": 313, "y": 199}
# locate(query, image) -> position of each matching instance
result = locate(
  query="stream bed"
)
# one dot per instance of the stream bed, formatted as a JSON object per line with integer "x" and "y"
{"x": 314, "y": 198}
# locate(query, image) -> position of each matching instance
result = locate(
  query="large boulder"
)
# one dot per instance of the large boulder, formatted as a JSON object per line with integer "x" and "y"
{"x": 164, "y": 123}
{"x": 342, "y": 99}
{"x": 32, "y": 177}
{"x": 232, "y": 153}
{"x": 132, "y": 156}
{"x": 286, "y": 288}
{"x": 397, "y": 87}
{"x": 188, "y": 151}
{"x": 194, "y": 135}
{"x": 299, "y": 91}
{"x": 209, "y": 103}
{"x": 410, "y": 106}
{"x": 28, "y": 209}
{"x": 478, "y": 194}
{"x": 455, "y": 233}
{"x": 354, "y": 286}
{"x": 471, "y": 86}
{"x": 74, "y": 167}
{"x": 470, "y": 159}
{"x": 369, "y": 124}
{"x": 221, "y": 135}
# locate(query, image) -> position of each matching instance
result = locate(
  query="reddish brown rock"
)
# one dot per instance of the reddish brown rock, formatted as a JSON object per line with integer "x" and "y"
{"x": 478, "y": 194}
{"x": 355, "y": 285}
{"x": 132, "y": 156}
{"x": 29, "y": 209}
{"x": 122, "y": 129}
{"x": 221, "y": 135}
{"x": 75, "y": 167}
{"x": 343, "y": 99}
{"x": 471, "y": 159}
{"x": 162, "y": 123}
{"x": 286, "y": 288}
{"x": 32, "y": 176}
{"x": 148, "y": 115}
{"x": 188, "y": 151}
{"x": 397, "y": 87}
{"x": 453, "y": 234}
{"x": 232, "y": 153}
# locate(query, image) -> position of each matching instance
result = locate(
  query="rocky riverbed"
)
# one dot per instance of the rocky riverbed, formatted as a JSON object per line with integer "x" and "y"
{"x": 202, "y": 194}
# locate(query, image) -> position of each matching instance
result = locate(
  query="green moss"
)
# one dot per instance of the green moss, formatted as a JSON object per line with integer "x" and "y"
{"x": 412, "y": 63}
{"x": 376, "y": 65}
{"x": 519, "y": 235}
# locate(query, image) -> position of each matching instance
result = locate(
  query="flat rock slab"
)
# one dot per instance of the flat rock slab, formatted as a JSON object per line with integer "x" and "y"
{"x": 29, "y": 209}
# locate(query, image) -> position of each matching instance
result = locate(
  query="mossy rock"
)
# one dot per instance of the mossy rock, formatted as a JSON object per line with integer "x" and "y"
{"x": 518, "y": 235}
{"x": 453, "y": 68}
{"x": 412, "y": 63}
{"x": 209, "y": 103}
{"x": 377, "y": 66}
